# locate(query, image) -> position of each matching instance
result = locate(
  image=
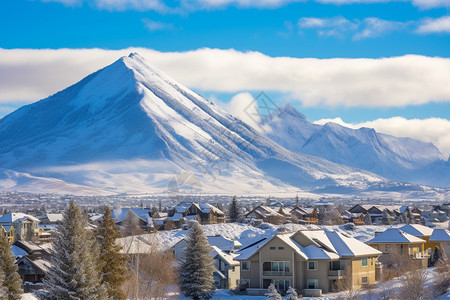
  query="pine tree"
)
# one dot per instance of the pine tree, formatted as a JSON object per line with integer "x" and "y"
{"x": 367, "y": 219}
{"x": 196, "y": 272}
{"x": 75, "y": 271}
{"x": 272, "y": 293}
{"x": 3, "y": 288}
{"x": 296, "y": 200}
{"x": 12, "y": 280}
{"x": 291, "y": 294}
{"x": 386, "y": 218}
{"x": 113, "y": 264}
{"x": 234, "y": 211}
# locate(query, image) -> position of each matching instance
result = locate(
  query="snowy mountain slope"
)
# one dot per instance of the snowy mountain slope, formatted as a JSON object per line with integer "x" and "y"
{"x": 399, "y": 159}
{"x": 129, "y": 127}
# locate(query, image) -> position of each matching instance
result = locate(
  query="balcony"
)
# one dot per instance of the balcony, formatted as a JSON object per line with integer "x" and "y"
{"x": 336, "y": 273}
{"x": 277, "y": 273}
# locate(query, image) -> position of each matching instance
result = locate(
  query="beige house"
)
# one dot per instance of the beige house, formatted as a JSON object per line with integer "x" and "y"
{"x": 422, "y": 232}
{"x": 311, "y": 261}
{"x": 442, "y": 238}
{"x": 25, "y": 226}
{"x": 394, "y": 242}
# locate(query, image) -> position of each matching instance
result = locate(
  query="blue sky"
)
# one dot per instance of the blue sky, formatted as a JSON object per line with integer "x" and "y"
{"x": 322, "y": 29}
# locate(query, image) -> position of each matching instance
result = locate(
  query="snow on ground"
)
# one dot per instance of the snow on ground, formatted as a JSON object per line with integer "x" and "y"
{"x": 29, "y": 296}
{"x": 247, "y": 234}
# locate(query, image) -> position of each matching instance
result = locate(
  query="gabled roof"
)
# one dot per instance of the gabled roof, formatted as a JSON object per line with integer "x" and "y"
{"x": 120, "y": 214}
{"x": 395, "y": 235}
{"x": 206, "y": 208}
{"x": 55, "y": 217}
{"x": 17, "y": 217}
{"x": 223, "y": 243}
{"x": 265, "y": 211}
{"x": 322, "y": 245}
{"x": 417, "y": 230}
{"x": 440, "y": 235}
{"x": 175, "y": 217}
{"x": 228, "y": 258}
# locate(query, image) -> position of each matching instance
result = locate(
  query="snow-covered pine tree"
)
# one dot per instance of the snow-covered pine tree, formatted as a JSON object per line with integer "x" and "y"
{"x": 12, "y": 281}
{"x": 367, "y": 219}
{"x": 75, "y": 271}
{"x": 234, "y": 211}
{"x": 196, "y": 272}
{"x": 3, "y": 288}
{"x": 385, "y": 219}
{"x": 291, "y": 294}
{"x": 112, "y": 263}
{"x": 272, "y": 293}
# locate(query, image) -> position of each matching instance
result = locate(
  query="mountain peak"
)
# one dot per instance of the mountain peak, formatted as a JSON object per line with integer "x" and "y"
{"x": 292, "y": 111}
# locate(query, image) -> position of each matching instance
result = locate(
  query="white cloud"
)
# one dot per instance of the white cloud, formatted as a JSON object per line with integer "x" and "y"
{"x": 375, "y": 27}
{"x": 336, "y": 26}
{"x": 439, "y": 25}
{"x": 156, "y": 25}
{"x": 432, "y": 130}
{"x": 27, "y": 75}
{"x": 194, "y": 5}
{"x": 359, "y": 29}
{"x": 244, "y": 107}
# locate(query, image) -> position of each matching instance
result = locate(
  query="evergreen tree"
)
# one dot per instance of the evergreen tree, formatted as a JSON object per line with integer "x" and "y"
{"x": 112, "y": 263}
{"x": 367, "y": 219}
{"x": 386, "y": 218}
{"x": 272, "y": 293}
{"x": 291, "y": 294}
{"x": 12, "y": 281}
{"x": 196, "y": 272}
{"x": 234, "y": 211}
{"x": 75, "y": 271}
{"x": 3, "y": 288}
{"x": 296, "y": 200}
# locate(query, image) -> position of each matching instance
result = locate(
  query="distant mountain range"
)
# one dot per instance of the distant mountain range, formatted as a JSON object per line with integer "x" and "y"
{"x": 395, "y": 158}
{"x": 130, "y": 128}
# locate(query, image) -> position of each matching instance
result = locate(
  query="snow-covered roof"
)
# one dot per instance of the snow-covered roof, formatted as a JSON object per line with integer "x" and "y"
{"x": 223, "y": 243}
{"x": 17, "y": 217}
{"x": 228, "y": 258}
{"x": 175, "y": 217}
{"x": 133, "y": 245}
{"x": 182, "y": 207}
{"x": 417, "y": 230}
{"x": 321, "y": 245}
{"x": 18, "y": 252}
{"x": 7, "y": 228}
{"x": 55, "y": 217}
{"x": 395, "y": 235}
{"x": 206, "y": 208}
{"x": 266, "y": 211}
{"x": 120, "y": 214}
{"x": 440, "y": 235}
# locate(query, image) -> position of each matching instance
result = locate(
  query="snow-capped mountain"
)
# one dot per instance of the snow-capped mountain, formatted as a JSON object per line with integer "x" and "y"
{"x": 130, "y": 128}
{"x": 395, "y": 158}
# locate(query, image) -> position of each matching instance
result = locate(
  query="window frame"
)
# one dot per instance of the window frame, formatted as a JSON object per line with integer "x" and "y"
{"x": 367, "y": 280}
{"x": 316, "y": 284}
{"x": 316, "y": 265}
{"x": 362, "y": 261}
{"x": 242, "y": 265}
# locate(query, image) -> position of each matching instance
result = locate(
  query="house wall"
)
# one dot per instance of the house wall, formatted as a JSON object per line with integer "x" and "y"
{"x": 234, "y": 276}
{"x": 359, "y": 271}
{"x": 321, "y": 274}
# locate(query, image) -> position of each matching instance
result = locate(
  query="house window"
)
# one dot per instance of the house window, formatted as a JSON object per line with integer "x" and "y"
{"x": 364, "y": 262}
{"x": 277, "y": 266}
{"x": 312, "y": 265}
{"x": 364, "y": 280}
{"x": 245, "y": 266}
{"x": 273, "y": 248}
{"x": 280, "y": 248}
{"x": 313, "y": 284}
{"x": 282, "y": 285}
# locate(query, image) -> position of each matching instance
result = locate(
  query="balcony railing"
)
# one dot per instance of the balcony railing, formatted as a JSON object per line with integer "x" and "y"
{"x": 277, "y": 273}
{"x": 336, "y": 273}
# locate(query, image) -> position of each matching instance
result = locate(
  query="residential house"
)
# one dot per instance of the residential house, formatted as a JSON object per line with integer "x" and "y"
{"x": 310, "y": 261}
{"x": 50, "y": 219}
{"x": 422, "y": 232}
{"x": 143, "y": 216}
{"x": 394, "y": 242}
{"x": 25, "y": 226}
{"x": 266, "y": 214}
{"x": 205, "y": 213}
{"x": 7, "y": 231}
{"x": 442, "y": 238}
{"x": 376, "y": 211}
{"x": 227, "y": 272}
{"x": 305, "y": 215}
{"x": 33, "y": 264}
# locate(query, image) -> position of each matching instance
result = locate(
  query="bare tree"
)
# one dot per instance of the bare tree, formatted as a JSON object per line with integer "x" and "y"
{"x": 413, "y": 285}
{"x": 441, "y": 282}
{"x": 131, "y": 225}
{"x": 152, "y": 269}
{"x": 347, "y": 285}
